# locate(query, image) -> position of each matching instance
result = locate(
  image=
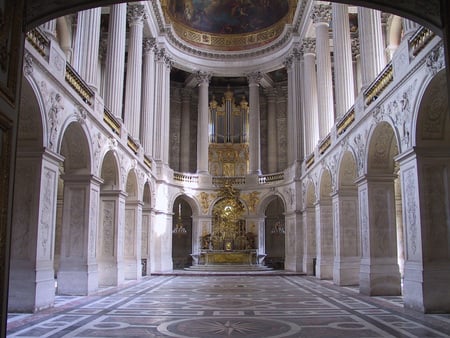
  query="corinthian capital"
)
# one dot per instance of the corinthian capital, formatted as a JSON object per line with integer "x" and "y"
{"x": 148, "y": 44}
{"x": 202, "y": 77}
{"x": 309, "y": 45}
{"x": 254, "y": 78}
{"x": 321, "y": 13}
{"x": 135, "y": 14}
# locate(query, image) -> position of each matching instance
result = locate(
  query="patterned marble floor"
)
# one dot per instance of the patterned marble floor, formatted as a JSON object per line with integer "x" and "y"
{"x": 228, "y": 306}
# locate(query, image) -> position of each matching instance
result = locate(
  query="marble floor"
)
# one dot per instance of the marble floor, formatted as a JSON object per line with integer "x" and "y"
{"x": 228, "y": 306}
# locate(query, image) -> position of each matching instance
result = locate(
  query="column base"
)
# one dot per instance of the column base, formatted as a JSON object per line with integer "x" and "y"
{"x": 346, "y": 271}
{"x": 77, "y": 281}
{"x": 380, "y": 277}
{"x": 324, "y": 268}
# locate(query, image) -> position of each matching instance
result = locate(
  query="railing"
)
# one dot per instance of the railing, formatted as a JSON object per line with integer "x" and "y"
{"x": 234, "y": 180}
{"x": 38, "y": 40}
{"x": 309, "y": 161}
{"x": 148, "y": 162}
{"x": 420, "y": 39}
{"x": 271, "y": 178}
{"x": 77, "y": 83}
{"x": 132, "y": 144}
{"x": 186, "y": 178}
{"x": 111, "y": 120}
{"x": 345, "y": 121}
{"x": 325, "y": 144}
{"x": 379, "y": 84}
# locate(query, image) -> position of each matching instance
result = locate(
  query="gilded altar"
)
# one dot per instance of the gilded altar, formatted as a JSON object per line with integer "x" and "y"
{"x": 224, "y": 257}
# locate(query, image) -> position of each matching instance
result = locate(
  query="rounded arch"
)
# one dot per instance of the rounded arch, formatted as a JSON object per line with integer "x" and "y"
{"x": 310, "y": 196}
{"x": 109, "y": 171}
{"x": 31, "y": 126}
{"x": 190, "y": 200}
{"x": 267, "y": 199}
{"x": 432, "y": 123}
{"x": 147, "y": 196}
{"x": 382, "y": 148}
{"x": 75, "y": 148}
{"x": 347, "y": 171}
{"x": 132, "y": 186}
{"x": 325, "y": 184}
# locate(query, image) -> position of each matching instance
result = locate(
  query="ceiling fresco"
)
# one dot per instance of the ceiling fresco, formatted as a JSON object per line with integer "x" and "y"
{"x": 229, "y": 24}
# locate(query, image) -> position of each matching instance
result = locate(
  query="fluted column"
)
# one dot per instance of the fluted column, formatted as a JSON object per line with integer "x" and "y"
{"x": 371, "y": 42}
{"x": 161, "y": 107}
{"x": 87, "y": 41}
{"x": 254, "y": 123}
{"x": 409, "y": 27}
{"x": 49, "y": 28}
{"x": 202, "y": 126}
{"x": 148, "y": 92}
{"x": 271, "y": 131}
{"x": 310, "y": 90}
{"x": 321, "y": 16}
{"x": 185, "y": 132}
{"x": 134, "y": 70}
{"x": 343, "y": 72}
{"x": 115, "y": 59}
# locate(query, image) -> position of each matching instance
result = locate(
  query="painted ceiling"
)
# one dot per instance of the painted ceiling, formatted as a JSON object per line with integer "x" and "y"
{"x": 228, "y": 24}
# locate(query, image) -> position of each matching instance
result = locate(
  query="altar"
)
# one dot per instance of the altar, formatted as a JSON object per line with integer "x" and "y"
{"x": 223, "y": 257}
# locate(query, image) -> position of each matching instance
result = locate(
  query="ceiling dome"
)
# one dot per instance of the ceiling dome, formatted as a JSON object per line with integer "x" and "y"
{"x": 228, "y": 25}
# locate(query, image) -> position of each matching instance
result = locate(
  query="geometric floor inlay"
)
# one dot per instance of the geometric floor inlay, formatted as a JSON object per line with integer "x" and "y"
{"x": 228, "y": 306}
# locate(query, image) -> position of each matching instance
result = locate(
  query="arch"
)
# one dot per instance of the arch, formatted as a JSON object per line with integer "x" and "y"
{"x": 147, "y": 196}
{"x": 382, "y": 148}
{"x": 183, "y": 230}
{"x": 132, "y": 187}
{"x": 267, "y": 199}
{"x": 310, "y": 196}
{"x": 76, "y": 150}
{"x": 274, "y": 232}
{"x": 109, "y": 171}
{"x": 325, "y": 186}
{"x": 347, "y": 171}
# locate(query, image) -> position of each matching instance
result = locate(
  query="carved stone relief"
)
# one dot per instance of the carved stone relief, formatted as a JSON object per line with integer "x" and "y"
{"x": 47, "y": 213}
{"x": 107, "y": 243}
{"x": 410, "y": 212}
{"x": 130, "y": 224}
{"x": 76, "y": 222}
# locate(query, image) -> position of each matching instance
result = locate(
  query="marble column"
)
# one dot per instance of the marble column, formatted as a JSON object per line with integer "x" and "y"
{"x": 87, "y": 42}
{"x": 203, "y": 120}
{"x": 115, "y": 59}
{"x": 78, "y": 274}
{"x": 161, "y": 107}
{"x": 132, "y": 239}
{"x": 371, "y": 41}
{"x": 133, "y": 92}
{"x": 294, "y": 241}
{"x": 32, "y": 275}
{"x": 343, "y": 74}
{"x": 254, "y": 124}
{"x": 311, "y": 113}
{"x": 356, "y": 60}
{"x": 148, "y": 92}
{"x": 324, "y": 239}
{"x": 185, "y": 132}
{"x": 271, "y": 130}
{"x": 309, "y": 239}
{"x": 379, "y": 271}
{"x": 321, "y": 16}
{"x": 146, "y": 239}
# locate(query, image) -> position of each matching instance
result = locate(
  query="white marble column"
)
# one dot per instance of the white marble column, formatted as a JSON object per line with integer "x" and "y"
{"x": 185, "y": 132}
{"x": 356, "y": 59}
{"x": 115, "y": 59}
{"x": 87, "y": 41}
{"x": 132, "y": 239}
{"x": 78, "y": 274}
{"x": 371, "y": 41}
{"x": 148, "y": 92}
{"x": 254, "y": 124}
{"x": 203, "y": 120}
{"x": 321, "y": 16}
{"x": 310, "y": 103}
{"x": 324, "y": 239}
{"x": 343, "y": 74}
{"x": 271, "y": 130}
{"x": 161, "y": 107}
{"x": 133, "y": 92}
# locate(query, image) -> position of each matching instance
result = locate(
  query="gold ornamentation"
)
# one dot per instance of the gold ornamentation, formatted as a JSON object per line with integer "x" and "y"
{"x": 251, "y": 199}
{"x": 205, "y": 200}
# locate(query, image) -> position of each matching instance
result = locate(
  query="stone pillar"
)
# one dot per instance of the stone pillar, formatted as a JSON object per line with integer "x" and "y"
{"x": 161, "y": 108}
{"x": 161, "y": 242}
{"x": 203, "y": 120}
{"x": 324, "y": 239}
{"x": 379, "y": 272}
{"x": 347, "y": 237}
{"x": 371, "y": 41}
{"x": 87, "y": 41}
{"x": 294, "y": 241}
{"x": 272, "y": 163}
{"x": 133, "y": 89}
{"x": 321, "y": 16}
{"x": 343, "y": 75}
{"x": 356, "y": 59}
{"x": 254, "y": 124}
{"x": 32, "y": 281}
{"x": 148, "y": 92}
{"x": 185, "y": 132}
{"x": 311, "y": 113}
{"x": 110, "y": 236}
{"x": 132, "y": 240}
{"x": 309, "y": 239}
{"x": 146, "y": 239}
{"x": 425, "y": 186}
{"x": 78, "y": 273}
{"x": 115, "y": 59}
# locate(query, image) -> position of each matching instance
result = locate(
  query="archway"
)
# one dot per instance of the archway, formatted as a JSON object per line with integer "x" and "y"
{"x": 181, "y": 234}
{"x": 324, "y": 229}
{"x": 347, "y": 229}
{"x": 275, "y": 233}
{"x": 379, "y": 274}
